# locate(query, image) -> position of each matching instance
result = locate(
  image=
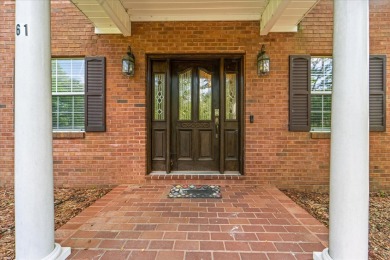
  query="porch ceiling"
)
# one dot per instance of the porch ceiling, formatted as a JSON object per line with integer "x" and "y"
{"x": 115, "y": 16}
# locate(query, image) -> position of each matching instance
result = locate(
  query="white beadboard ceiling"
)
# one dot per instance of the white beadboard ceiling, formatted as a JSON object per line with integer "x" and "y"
{"x": 115, "y": 16}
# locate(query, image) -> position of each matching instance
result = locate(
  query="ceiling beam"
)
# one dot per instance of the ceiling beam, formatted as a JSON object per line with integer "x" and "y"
{"x": 273, "y": 11}
{"x": 108, "y": 16}
{"x": 118, "y": 14}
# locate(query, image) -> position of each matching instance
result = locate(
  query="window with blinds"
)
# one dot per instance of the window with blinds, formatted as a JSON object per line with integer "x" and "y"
{"x": 310, "y": 89}
{"x": 68, "y": 94}
{"x": 321, "y": 93}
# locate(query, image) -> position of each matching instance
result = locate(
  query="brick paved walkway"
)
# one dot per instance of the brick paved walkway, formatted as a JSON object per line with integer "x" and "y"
{"x": 140, "y": 222}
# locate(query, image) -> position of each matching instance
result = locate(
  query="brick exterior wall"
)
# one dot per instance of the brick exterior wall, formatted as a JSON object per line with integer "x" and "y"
{"x": 273, "y": 155}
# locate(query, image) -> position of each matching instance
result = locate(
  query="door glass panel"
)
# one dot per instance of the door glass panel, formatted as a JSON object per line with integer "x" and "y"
{"x": 231, "y": 96}
{"x": 205, "y": 95}
{"x": 159, "y": 96}
{"x": 185, "y": 101}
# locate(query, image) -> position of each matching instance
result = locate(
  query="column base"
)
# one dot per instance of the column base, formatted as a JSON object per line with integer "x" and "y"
{"x": 324, "y": 255}
{"x": 59, "y": 253}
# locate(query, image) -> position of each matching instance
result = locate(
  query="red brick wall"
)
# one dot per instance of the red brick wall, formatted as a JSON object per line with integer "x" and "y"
{"x": 6, "y": 91}
{"x": 273, "y": 154}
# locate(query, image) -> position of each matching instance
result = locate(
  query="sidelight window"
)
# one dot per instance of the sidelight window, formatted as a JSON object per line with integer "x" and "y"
{"x": 231, "y": 96}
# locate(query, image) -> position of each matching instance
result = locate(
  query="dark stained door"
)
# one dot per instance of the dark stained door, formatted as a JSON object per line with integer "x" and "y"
{"x": 195, "y": 116}
{"x": 195, "y": 113}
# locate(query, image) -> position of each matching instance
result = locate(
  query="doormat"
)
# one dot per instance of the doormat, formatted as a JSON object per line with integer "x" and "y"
{"x": 195, "y": 191}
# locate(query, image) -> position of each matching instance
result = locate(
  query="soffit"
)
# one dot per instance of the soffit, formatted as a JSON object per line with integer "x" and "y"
{"x": 115, "y": 16}
{"x": 194, "y": 10}
{"x": 284, "y": 15}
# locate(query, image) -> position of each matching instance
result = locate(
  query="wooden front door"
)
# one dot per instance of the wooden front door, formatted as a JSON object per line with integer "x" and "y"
{"x": 195, "y": 116}
{"x": 195, "y": 113}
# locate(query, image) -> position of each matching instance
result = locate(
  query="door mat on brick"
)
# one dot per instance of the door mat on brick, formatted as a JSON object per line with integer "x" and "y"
{"x": 195, "y": 191}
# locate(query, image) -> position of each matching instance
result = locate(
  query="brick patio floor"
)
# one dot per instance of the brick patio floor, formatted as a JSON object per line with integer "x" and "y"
{"x": 140, "y": 222}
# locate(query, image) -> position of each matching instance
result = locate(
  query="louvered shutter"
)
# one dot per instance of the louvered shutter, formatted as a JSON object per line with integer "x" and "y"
{"x": 378, "y": 93}
{"x": 299, "y": 120}
{"x": 95, "y": 84}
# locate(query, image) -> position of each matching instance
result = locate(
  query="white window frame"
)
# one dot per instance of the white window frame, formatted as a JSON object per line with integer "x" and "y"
{"x": 320, "y": 93}
{"x": 57, "y": 95}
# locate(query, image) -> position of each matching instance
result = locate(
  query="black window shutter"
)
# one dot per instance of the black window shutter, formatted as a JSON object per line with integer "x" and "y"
{"x": 95, "y": 100}
{"x": 377, "y": 93}
{"x": 300, "y": 76}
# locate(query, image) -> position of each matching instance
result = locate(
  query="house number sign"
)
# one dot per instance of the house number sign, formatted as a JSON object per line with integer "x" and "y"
{"x": 18, "y": 30}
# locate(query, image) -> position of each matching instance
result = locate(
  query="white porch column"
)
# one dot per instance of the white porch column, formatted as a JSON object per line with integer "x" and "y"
{"x": 34, "y": 208}
{"x": 349, "y": 171}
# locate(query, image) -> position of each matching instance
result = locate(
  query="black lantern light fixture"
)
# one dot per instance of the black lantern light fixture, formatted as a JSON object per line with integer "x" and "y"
{"x": 263, "y": 62}
{"x": 128, "y": 63}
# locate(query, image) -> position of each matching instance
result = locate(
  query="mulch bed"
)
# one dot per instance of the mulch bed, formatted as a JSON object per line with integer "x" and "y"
{"x": 379, "y": 237}
{"x": 68, "y": 202}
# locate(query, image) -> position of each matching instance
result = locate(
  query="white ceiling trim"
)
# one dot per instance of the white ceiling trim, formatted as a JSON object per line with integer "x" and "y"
{"x": 108, "y": 16}
{"x": 208, "y": 17}
{"x": 194, "y": 10}
{"x": 284, "y": 15}
{"x": 115, "y": 16}
{"x": 117, "y": 13}
{"x": 271, "y": 14}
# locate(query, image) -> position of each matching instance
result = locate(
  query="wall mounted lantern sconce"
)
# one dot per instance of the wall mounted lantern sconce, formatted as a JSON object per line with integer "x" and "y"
{"x": 128, "y": 63}
{"x": 263, "y": 62}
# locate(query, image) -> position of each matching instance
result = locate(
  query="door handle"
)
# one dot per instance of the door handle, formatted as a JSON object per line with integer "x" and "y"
{"x": 216, "y": 126}
{"x": 216, "y": 120}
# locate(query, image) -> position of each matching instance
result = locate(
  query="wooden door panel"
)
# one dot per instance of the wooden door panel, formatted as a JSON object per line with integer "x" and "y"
{"x": 231, "y": 161}
{"x": 159, "y": 144}
{"x": 185, "y": 145}
{"x": 195, "y": 96}
{"x": 205, "y": 145}
{"x": 231, "y": 145}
